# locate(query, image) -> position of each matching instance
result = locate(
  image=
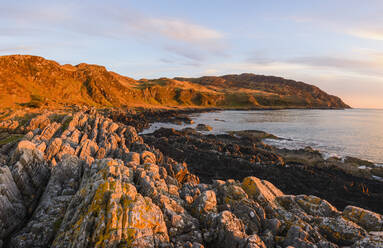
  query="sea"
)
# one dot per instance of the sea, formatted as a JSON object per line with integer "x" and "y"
{"x": 350, "y": 132}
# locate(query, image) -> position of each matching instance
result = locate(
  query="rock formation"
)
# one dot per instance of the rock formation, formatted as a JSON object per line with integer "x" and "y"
{"x": 87, "y": 181}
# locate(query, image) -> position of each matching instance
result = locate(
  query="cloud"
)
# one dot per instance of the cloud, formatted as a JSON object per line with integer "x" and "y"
{"x": 16, "y": 48}
{"x": 179, "y": 30}
{"x": 363, "y": 62}
{"x": 371, "y": 34}
{"x": 184, "y": 38}
{"x": 333, "y": 62}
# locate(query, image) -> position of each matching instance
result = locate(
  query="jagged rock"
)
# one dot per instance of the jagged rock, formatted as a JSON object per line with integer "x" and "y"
{"x": 109, "y": 189}
{"x": 12, "y": 209}
{"x": 263, "y": 192}
{"x": 30, "y": 172}
{"x": 225, "y": 230}
{"x": 86, "y": 150}
{"x": 41, "y": 147}
{"x": 53, "y": 148}
{"x": 315, "y": 206}
{"x": 47, "y": 218}
{"x": 49, "y": 131}
{"x": 74, "y": 137}
{"x": 297, "y": 237}
{"x": 148, "y": 157}
{"x": 340, "y": 231}
{"x": 254, "y": 241}
{"x": 40, "y": 121}
{"x": 233, "y": 193}
{"x": 312, "y": 205}
{"x": 252, "y": 215}
{"x": 131, "y": 135}
{"x": 374, "y": 240}
{"x": 66, "y": 148}
{"x": 106, "y": 197}
{"x": 9, "y": 124}
{"x": 369, "y": 220}
{"x": 205, "y": 203}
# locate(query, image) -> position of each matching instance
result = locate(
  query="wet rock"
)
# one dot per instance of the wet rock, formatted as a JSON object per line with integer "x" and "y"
{"x": 213, "y": 157}
{"x": 204, "y": 127}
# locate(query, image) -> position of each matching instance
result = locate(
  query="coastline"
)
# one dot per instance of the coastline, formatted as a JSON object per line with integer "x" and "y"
{"x": 184, "y": 186}
{"x": 296, "y": 160}
{"x": 354, "y": 172}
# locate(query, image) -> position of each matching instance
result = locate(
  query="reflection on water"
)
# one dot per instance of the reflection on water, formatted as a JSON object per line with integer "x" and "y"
{"x": 354, "y": 132}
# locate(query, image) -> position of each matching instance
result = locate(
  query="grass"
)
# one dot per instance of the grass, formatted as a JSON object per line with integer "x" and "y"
{"x": 11, "y": 138}
{"x": 23, "y": 120}
{"x": 56, "y": 117}
{"x": 66, "y": 123}
{"x": 36, "y": 101}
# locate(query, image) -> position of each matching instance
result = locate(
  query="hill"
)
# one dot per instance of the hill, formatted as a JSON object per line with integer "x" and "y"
{"x": 33, "y": 81}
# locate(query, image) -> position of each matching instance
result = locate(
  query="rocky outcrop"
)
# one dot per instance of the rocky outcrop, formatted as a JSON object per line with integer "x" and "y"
{"x": 241, "y": 154}
{"x": 95, "y": 183}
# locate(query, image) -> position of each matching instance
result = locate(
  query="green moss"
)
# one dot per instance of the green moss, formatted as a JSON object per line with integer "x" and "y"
{"x": 23, "y": 120}
{"x": 56, "y": 118}
{"x": 11, "y": 138}
{"x": 65, "y": 125}
{"x": 57, "y": 225}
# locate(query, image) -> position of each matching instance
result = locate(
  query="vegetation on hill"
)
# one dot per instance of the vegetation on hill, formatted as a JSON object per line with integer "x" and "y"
{"x": 35, "y": 82}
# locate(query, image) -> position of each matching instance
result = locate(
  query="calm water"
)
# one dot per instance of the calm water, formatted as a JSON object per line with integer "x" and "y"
{"x": 354, "y": 132}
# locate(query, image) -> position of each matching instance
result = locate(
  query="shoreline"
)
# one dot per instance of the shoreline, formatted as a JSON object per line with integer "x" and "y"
{"x": 244, "y": 152}
{"x": 90, "y": 166}
{"x": 179, "y": 125}
{"x": 309, "y": 161}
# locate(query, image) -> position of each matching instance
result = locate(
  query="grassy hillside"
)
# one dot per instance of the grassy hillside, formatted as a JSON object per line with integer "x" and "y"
{"x": 36, "y": 82}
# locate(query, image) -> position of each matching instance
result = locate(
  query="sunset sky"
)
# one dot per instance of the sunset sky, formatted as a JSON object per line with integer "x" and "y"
{"x": 334, "y": 44}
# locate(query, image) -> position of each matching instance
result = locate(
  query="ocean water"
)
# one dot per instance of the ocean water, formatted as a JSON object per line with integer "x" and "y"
{"x": 351, "y": 132}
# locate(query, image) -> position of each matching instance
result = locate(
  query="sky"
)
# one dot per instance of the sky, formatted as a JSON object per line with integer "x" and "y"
{"x": 336, "y": 45}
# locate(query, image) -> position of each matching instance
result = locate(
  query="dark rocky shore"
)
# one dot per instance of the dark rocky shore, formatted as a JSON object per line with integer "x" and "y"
{"x": 240, "y": 154}
{"x": 87, "y": 179}
{"x": 223, "y": 157}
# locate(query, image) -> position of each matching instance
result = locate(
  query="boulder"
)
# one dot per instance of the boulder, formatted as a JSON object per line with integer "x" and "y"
{"x": 204, "y": 127}
{"x": 340, "y": 230}
{"x": 368, "y": 220}
{"x": 205, "y": 203}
